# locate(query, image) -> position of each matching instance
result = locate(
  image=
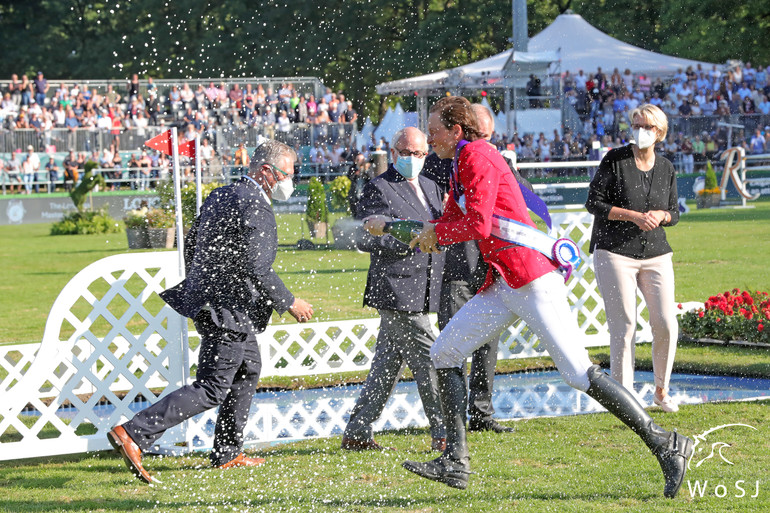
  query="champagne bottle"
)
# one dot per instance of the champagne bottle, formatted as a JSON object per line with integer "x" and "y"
{"x": 403, "y": 229}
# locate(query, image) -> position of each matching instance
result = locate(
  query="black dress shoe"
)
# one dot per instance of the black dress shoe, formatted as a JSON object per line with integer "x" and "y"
{"x": 444, "y": 470}
{"x": 673, "y": 461}
{"x": 488, "y": 424}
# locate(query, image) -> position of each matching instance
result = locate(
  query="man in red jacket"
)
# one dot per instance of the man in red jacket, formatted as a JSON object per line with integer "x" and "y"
{"x": 521, "y": 283}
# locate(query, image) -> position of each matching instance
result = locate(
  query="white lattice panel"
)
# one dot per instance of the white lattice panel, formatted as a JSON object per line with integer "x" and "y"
{"x": 109, "y": 338}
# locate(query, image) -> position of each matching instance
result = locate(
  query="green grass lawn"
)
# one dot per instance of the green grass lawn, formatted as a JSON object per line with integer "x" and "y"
{"x": 579, "y": 463}
{"x": 565, "y": 464}
{"x": 714, "y": 250}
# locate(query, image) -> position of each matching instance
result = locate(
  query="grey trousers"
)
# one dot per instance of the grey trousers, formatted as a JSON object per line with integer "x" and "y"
{"x": 454, "y": 294}
{"x": 404, "y": 339}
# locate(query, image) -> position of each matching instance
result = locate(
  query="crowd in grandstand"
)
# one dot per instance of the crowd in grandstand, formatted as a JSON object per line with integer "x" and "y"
{"x": 694, "y": 99}
{"x": 40, "y": 105}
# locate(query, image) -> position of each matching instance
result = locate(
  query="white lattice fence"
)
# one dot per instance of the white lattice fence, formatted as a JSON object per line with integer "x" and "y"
{"x": 109, "y": 338}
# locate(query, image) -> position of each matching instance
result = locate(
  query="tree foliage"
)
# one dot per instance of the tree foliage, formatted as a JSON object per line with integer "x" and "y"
{"x": 350, "y": 44}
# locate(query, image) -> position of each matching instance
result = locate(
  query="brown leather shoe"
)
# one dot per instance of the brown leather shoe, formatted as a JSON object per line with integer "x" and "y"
{"x": 242, "y": 461}
{"x": 131, "y": 453}
{"x": 438, "y": 444}
{"x": 351, "y": 444}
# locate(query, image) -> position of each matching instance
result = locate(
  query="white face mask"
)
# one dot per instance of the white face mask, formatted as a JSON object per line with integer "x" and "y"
{"x": 282, "y": 191}
{"x": 644, "y": 138}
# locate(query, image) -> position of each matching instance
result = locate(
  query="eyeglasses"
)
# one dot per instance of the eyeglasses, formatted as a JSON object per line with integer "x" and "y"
{"x": 407, "y": 153}
{"x": 284, "y": 173}
{"x": 646, "y": 127}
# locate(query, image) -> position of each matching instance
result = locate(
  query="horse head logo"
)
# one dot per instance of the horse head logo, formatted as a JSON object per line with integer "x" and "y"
{"x": 704, "y": 441}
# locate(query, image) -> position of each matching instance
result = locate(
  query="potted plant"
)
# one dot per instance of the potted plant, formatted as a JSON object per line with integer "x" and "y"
{"x": 345, "y": 228}
{"x": 136, "y": 228}
{"x": 188, "y": 194}
{"x": 160, "y": 228}
{"x": 316, "y": 213}
{"x": 710, "y": 195}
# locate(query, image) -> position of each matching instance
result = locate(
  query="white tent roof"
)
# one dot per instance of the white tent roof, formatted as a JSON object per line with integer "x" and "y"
{"x": 484, "y": 73}
{"x": 583, "y": 46}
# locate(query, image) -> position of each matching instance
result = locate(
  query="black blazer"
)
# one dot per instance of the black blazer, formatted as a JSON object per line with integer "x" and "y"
{"x": 229, "y": 254}
{"x": 400, "y": 278}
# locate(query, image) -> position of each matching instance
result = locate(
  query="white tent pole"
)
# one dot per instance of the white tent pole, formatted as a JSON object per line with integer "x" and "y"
{"x": 198, "y": 191}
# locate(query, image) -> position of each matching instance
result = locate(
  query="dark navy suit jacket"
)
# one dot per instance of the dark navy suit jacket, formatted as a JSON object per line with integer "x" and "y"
{"x": 400, "y": 278}
{"x": 229, "y": 255}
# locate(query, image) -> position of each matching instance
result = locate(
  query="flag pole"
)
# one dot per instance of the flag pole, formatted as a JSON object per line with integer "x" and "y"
{"x": 198, "y": 191}
{"x": 178, "y": 199}
{"x": 186, "y": 432}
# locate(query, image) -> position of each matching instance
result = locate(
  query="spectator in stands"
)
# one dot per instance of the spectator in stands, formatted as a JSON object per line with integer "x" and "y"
{"x": 301, "y": 111}
{"x": 212, "y": 95}
{"x": 133, "y": 87}
{"x": 187, "y": 96}
{"x": 236, "y": 96}
{"x": 145, "y": 170}
{"x": 52, "y": 170}
{"x": 152, "y": 106}
{"x": 111, "y": 96}
{"x": 688, "y": 160}
{"x": 699, "y": 152}
{"x": 206, "y": 152}
{"x": 71, "y": 173}
{"x": 117, "y": 164}
{"x": 200, "y": 97}
{"x": 175, "y": 99}
{"x": 351, "y": 116}
{"x": 268, "y": 122}
{"x": 241, "y": 160}
{"x": 284, "y": 125}
{"x": 29, "y": 168}
{"x": 757, "y": 144}
{"x": 13, "y": 170}
{"x": 312, "y": 109}
{"x": 40, "y": 88}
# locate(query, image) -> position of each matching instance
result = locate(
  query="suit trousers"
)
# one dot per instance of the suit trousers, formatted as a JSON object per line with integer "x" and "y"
{"x": 454, "y": 294}
{"x": 618, "y": 278}
{"x": 542, "y": 304}
{"x": 229, "y": 364}
{"x": 405, "y": 338}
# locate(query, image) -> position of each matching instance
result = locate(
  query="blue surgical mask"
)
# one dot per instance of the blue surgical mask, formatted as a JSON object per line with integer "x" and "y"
{"x": 409, "y": 167}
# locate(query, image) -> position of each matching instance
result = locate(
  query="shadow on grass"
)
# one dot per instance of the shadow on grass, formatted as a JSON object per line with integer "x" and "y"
{"x": 84, "y": 505}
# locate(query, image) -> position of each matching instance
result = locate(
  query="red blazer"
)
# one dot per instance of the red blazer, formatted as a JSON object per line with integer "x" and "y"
{"x": 490, "y": 187}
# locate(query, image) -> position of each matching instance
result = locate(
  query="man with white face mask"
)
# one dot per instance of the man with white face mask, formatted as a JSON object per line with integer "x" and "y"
{"x": 403, "y": 285}
{"x": 230, "y": 292}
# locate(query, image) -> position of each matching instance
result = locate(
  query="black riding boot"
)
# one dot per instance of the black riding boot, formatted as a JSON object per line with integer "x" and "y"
{"x": 451, "y": 468}
{"x": 672, "y": 449}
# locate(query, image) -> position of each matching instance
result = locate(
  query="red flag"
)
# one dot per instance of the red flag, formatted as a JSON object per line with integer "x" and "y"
{"x": 161, "y": 142}
{"x": 187, "y": 149}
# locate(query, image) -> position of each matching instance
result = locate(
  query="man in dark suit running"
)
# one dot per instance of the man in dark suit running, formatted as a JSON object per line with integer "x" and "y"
{"x": 230, "y": 292}
{"x": 403, "y": 286}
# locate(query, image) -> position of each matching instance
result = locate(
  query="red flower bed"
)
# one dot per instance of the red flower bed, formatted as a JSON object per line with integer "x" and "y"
{"x": 732, "y": 315}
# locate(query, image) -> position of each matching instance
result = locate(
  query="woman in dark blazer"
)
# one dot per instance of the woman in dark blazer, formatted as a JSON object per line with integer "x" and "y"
{"x": 633, "y": 197}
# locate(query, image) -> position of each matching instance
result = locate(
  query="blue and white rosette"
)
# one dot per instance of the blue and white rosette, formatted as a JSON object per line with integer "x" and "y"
{"x": 564, "y": 251}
